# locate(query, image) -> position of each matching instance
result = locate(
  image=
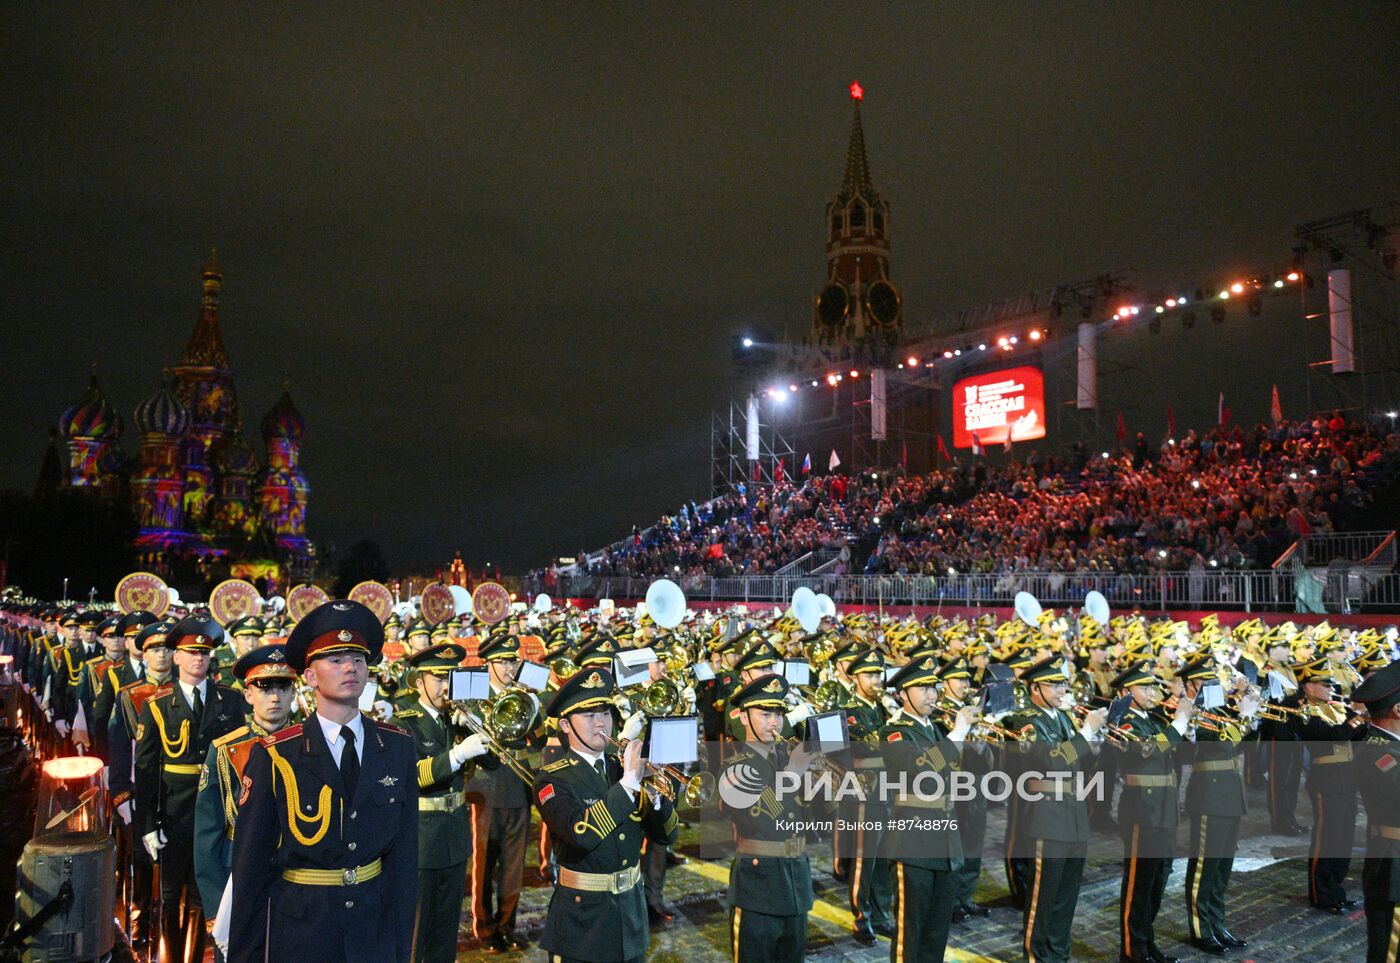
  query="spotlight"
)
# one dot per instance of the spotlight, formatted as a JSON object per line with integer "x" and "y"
{"x": 855, "y": 373}
{"x": 1224, "y": 295}
{"x": 947, "y": 354}
{"x": 792, "y": 388}
{"x": 1001, "y": 342}
{"x": 1035, "y": 334}
{"x": 831, "y": 379}
{"x": 1013, "y": 339}
{"x": 957, "y": 352}
{"x": 1237, "y": 288}
{"x": 1161, "y": 310}
{"x": 1181, "y": 300}
{"x": 1292, "y": 275}
{"x": 982, "y": 347}
{"x": 1278, "y": 283}
{"x": 912, "y": 361}
{"x": 748, "y": 342}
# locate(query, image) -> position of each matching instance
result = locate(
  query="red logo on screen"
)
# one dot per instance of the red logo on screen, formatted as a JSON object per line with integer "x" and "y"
{"x": 998, "y": 403}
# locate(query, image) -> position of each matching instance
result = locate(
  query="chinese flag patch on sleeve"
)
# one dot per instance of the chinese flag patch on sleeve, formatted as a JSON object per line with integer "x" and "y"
{"x": 546, "y": 793}
{"x": 1385, "y": 763}
{"x": 894, "y": 737}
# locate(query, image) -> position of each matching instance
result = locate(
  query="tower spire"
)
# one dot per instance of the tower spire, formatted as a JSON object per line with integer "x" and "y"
{"x": 857, "y": 177}
{"x": 206, "y": 345}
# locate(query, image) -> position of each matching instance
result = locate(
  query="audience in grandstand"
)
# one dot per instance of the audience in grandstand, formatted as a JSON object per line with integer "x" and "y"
{"x": 1227, "y": 497}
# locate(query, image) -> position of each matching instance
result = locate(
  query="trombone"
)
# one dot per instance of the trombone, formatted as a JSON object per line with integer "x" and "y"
{"x": 506, "y": 718}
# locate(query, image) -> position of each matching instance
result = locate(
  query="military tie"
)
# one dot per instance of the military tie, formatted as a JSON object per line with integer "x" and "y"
{"x": 349, "y": 763}
{"x": 197, "y": 705}
{"x": 601, "y": 768}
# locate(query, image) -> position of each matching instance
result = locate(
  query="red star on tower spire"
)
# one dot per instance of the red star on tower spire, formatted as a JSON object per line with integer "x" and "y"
{"x": 857, "y": 91}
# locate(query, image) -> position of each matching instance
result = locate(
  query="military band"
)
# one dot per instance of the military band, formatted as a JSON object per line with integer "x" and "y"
{"x": 376, "y": 823}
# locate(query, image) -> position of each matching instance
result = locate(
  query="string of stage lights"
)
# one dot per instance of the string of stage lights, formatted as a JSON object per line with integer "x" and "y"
{"x": 1250, "y": 290}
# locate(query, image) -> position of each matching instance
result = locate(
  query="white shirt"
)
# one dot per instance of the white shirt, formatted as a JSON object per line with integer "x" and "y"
{"x": 137, "y": 667}
{"x": 188, "y": 691}
{"x": 331, "y": 730}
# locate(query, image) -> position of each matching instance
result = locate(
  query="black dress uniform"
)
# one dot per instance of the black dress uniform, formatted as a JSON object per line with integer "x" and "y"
{"x": 172, "y": 739}
{"x": 598, "y": 909}
{"x": 1215, "y": 803}
{"x": 1147, "y": 818}
{"x": 977, "y": 760}
{"x": 770, "y": 881}
{"x": 1284, "y": 759}
{"x": 1377, "y": 766}
{"x": 1328, "y": 735}
{"x": 1053, "y": 831}
{"x": 325, "y": 851}
{"x": 927, "y": 856}
{"x": 444, "y": 821}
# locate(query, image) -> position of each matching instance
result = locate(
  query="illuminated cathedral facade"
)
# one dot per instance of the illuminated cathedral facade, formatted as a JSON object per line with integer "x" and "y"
{"x": 198, "y": 491}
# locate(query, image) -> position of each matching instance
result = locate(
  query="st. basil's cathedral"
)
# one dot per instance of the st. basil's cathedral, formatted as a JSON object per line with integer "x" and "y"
{"x": 197, "y": 490}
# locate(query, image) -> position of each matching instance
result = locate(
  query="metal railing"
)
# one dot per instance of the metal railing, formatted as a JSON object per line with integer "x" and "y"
{"x": 1343, "y": 589}
{"x": 1371, "y": 548}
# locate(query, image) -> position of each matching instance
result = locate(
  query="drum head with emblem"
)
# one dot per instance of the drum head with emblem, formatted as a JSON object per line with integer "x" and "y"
{"x": 374, "y": 596}
{"x": 491, "y": 602}
{"x": 233, "y": 599}
{"x": 303, "y": 599}
{"x": 437, "y": 603}
{"x": 143, "y": 591}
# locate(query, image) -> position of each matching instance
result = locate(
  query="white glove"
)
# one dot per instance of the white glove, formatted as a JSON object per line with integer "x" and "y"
{"x": 632, "y": 728}
{"x": 124, "y": 811}
{"x": 459, "y": 719}
{"x": 383, "y": 710}
{"x": 800, "y": 714}
{"x": 62, "y": 728}
{"x": 469, "y": 748}
{"x": 153, "y": 841}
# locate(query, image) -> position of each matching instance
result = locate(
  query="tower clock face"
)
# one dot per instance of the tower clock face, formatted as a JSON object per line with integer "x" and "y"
{"x": 833, "y": 304}
{"x": 882, "y": 303}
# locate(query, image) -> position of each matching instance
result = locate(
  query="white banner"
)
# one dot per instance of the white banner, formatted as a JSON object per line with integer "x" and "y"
{"x": 877, "y": 405}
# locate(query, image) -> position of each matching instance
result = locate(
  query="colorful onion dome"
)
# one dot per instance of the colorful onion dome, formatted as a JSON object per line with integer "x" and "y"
{"x": 234, "y": 457}
{"x": 162, "y": 413}
{"x": 283, "y": 421}
{"x": 91, "y": 417}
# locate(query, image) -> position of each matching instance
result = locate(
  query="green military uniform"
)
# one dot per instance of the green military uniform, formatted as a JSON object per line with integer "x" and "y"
{"x": 444, "y": 820}
{"x": 1377, "y": 766}
{"x": 598, "y": 909}
{"x": 770, "y": 880}
{"x": 1215, "y": 803}
{"x": 926, "y": 856}
{"x": 977, "y": 760}
{"x": 1147, "y": 817}
{"x": 1054, "y": 830}
{"x": 1331, "y": 786}
{"x": 869, "y": 885}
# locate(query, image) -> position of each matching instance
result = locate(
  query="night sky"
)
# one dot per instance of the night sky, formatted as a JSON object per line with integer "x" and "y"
{"x": 499, "y": 252}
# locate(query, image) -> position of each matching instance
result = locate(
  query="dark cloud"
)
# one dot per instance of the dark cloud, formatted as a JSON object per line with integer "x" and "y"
{"x": 498, "y": 250}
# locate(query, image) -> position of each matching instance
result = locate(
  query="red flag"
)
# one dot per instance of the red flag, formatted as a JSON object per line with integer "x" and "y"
{"x": 715, "y": 551}
{"x": 1275, "y": 407}
{"x": 943, "y": 449}
{"x": 1223, "y": 411}
{"x": 1122, "y": 431}
{"x": 1171, "y": 423}
{"x": 757, "y": 472}
{"x": 903, "y": 454}
{"x": 778, "y": 472}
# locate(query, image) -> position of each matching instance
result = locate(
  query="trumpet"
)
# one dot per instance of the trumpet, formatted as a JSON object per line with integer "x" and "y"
{"x": 506, "y": 718}
{"x": 662, "y": 698}
{"x": 982, "y": 727}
